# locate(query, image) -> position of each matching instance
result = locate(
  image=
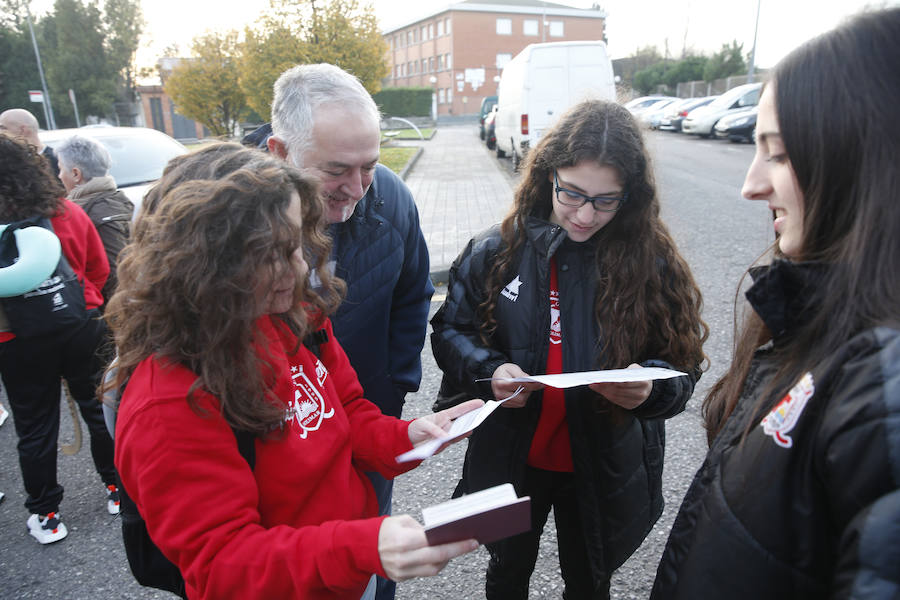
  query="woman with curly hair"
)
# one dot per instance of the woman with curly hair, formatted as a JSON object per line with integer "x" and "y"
{"x": 213, "y": 306}
{"x": 33, "y": 365}
{"x": 581, "y": 275}
{"x": 799, "y": 495}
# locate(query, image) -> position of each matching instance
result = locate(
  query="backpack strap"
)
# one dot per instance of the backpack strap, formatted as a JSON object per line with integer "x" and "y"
{"x": 246, "y": 443}
{"x": 315, "y": 340}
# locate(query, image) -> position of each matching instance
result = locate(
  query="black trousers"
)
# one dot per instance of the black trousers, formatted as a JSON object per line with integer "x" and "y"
{"x": 513, "y": 559}
{"x": 32, "y": 369}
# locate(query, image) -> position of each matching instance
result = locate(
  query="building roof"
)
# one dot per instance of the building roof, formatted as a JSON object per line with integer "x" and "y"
{"x": 527, "y": 7}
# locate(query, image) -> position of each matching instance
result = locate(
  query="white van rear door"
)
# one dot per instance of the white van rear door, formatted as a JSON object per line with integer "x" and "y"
{"x": 548, "y": 89}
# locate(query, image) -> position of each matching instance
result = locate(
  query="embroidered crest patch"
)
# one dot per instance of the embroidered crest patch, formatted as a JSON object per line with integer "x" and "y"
{"x": 784, "y": 416}
{"x": 308, "y": 408}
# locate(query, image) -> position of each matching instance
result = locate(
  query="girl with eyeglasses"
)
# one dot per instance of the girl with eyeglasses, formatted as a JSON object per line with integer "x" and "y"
{"x": 580, "y": 275}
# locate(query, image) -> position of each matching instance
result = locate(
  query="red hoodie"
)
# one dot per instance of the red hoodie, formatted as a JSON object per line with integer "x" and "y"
{"x": 302, "y": 523}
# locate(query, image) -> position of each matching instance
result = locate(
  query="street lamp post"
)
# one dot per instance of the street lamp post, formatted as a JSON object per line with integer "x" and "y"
{"x": 753, "y": 52}
{"x": 48, "y": 107}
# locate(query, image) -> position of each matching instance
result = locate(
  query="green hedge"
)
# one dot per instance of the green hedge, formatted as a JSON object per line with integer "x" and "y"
{"x": 404, "y": 101}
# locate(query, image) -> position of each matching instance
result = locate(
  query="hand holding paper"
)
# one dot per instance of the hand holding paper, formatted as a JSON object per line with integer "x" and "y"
{"x": 627, "y": 394}
{"x": 466, "y": 420}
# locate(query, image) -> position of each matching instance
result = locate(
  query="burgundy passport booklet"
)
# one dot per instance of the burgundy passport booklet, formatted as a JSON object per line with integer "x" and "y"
{"x": 487, "y": 516}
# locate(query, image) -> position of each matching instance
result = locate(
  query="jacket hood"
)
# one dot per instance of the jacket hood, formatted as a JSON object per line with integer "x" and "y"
{"x": 783, "y": 293}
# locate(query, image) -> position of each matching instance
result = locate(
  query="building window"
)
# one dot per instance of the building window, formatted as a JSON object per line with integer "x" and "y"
{"x": 449, "y": 95}
{"x": 530, "y": 27}
{"x": 156, "y": 114}
{"x": 440, "y": 62}
{"x": 502, "y": 59}
{"x": 424, "y": 65}
{"x": 447, "y": 26}
{"x": 441, "y": 96}
{"x": 447, "y": 62}
{"x": 430, "y": 64}
{"x": 409, "y": 38}
{"x": 430, "y": 30}
{"x": 396, "y": 71}
{"x": 422, "y": 34}
{"x": 440, "y": 28}
{"x": 556, "y": 29}
{"x": 504, "y": 26}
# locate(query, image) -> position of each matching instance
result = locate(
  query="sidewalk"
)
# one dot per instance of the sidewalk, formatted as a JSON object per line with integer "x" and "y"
{"x": 459, "y": 190}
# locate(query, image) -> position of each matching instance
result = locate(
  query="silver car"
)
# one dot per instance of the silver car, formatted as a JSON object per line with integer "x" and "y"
{"x": 138, "y": 154}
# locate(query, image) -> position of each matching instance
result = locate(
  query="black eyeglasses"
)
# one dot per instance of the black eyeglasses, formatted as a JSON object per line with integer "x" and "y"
{"x": 577, "y": 199}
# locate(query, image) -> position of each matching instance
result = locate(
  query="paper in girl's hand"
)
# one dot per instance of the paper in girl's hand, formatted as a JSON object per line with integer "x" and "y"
{"x": 567, "y": 380}
{"x": 460, "y": 427}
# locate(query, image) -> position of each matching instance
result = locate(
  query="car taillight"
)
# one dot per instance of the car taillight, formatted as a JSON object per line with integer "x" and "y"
{"x": 683, "y": 113}
{"x": 524, "y": 124}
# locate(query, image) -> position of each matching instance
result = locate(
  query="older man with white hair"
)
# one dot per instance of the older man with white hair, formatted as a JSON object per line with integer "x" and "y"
{"x": 21, "y": 124}
{"x": 84, "y": 171}
{"x": 325, "y": 122}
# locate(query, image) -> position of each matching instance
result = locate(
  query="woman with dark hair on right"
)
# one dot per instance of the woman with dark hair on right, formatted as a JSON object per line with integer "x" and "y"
{"x": 799, "y": 496}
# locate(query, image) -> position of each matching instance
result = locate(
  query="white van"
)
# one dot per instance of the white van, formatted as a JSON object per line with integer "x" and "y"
{"x": 540, "y": 83}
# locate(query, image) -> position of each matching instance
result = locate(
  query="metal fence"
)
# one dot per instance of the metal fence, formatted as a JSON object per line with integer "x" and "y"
{"x": 697, "y": 89}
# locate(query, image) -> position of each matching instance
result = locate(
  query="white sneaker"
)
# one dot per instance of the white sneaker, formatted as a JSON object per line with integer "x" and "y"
{"x": 47, "y": 529}
{"x": 4, "y": 414}
{"x": 112, "y": 499}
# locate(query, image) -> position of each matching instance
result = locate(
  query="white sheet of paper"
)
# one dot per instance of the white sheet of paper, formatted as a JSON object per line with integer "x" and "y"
{"x": 461, "y": 426}
{"x": 567, "y": 380}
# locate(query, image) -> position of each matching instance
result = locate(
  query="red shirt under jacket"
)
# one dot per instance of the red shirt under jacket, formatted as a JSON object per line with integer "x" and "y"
{"x": 550, "y": 446}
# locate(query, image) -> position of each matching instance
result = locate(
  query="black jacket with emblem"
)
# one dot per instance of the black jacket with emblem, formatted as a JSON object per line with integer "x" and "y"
{"x": 617, "y": 456}
{"x": 807, "y": 505}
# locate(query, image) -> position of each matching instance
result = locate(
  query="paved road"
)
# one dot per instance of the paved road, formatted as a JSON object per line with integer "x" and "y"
{"x": 719, "y": 233}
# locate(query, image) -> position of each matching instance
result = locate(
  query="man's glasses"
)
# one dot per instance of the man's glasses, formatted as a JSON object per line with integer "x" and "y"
{"x": 577, "y": 199}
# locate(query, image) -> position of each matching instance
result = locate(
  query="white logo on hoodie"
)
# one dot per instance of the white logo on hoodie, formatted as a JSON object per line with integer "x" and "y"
{"x": 308, "y": 406}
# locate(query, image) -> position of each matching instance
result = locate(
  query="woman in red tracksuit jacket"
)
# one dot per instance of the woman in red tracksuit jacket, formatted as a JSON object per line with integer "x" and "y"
{"x": 31, "y": 366}
{"x": 212, "y": 305}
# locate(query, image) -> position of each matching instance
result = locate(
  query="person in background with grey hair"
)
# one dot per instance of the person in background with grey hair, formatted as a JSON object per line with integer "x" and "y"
{"x": 84, "y": 170}
{"x": 326, "y": 123}
{"x": 21, "y": 124}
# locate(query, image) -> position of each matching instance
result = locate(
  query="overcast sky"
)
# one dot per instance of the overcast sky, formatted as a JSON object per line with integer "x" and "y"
{"x": 701, "y": 25}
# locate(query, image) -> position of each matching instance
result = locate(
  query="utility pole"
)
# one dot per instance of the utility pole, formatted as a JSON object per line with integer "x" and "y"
{"x": 48, "y": 107}
{"x": 753, "y": 52}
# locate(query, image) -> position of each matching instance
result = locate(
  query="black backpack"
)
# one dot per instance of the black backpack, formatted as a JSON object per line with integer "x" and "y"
{"x": 55, "y": 305}
{"x": 148, "y": 564}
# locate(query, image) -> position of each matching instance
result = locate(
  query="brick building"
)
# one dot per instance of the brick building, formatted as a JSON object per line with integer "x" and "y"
{"x": 461, "y": 50}
{"x": 159, "y": 110}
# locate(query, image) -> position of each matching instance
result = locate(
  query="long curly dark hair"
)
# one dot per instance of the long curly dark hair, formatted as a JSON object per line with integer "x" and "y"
{"x": 642, "y": 310}
{"x": 27, "y": 185}
{"x": 847, "y": 173}
{"x": 188, "y": 281}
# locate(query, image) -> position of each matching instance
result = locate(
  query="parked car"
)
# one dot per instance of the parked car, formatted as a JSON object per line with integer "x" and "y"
{"x": 636, "y": 105}
{"x": 738, "y": 127}
{"x": 487, "y": 105}
{"x": 138, "y": 154}
{"x": 676, "y": 112}
{"x": 490, "y": 136}
{"x": 540, "y": 83}
{"x": 653, "y": 114}
{"x": 702, "y": 120}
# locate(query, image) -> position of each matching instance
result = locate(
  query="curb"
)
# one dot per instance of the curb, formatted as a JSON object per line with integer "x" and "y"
{"x": 412, "y": 162}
